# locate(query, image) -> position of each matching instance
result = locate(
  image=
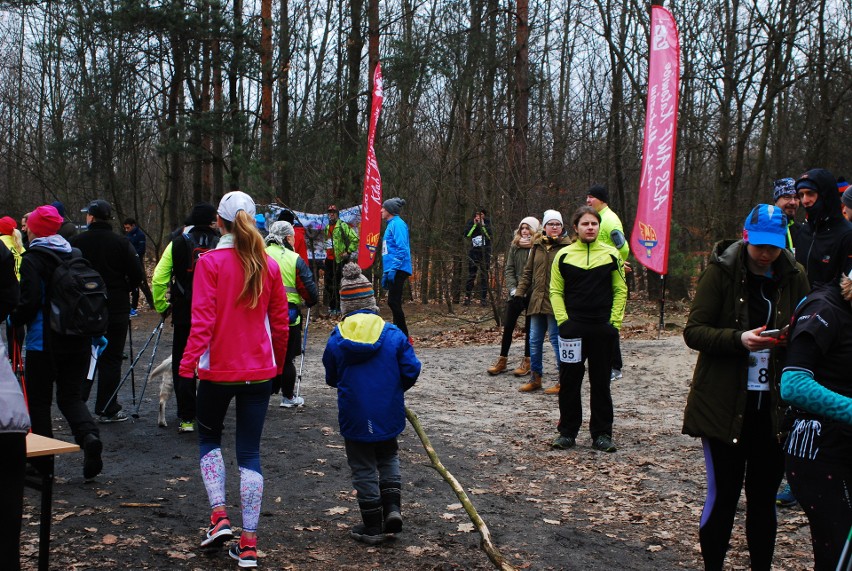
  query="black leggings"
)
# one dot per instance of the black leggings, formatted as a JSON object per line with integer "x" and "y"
{"x": 824, "y": 490}
{"x": 757, "y": 459}
{"x": 514, "y": 308}
{"x": 395, "y": 300}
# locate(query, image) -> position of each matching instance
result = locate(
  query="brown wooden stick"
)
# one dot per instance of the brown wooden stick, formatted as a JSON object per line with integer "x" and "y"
{"x": 487, "y": 545}
{"x": 139, "y": 505}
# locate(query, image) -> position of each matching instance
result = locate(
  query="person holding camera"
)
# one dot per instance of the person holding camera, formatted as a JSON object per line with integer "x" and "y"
{"x": 478, "y": 231}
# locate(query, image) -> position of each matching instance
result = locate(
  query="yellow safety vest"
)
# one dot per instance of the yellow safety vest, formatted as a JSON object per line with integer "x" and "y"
{"x": 287, "y": 263}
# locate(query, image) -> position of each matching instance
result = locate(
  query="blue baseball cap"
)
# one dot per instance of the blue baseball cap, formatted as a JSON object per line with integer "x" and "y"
{"x": 766, "y": 225}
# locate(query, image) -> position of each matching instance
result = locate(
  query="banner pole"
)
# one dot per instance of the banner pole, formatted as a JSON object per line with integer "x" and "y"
{"x": 662, "y": 306}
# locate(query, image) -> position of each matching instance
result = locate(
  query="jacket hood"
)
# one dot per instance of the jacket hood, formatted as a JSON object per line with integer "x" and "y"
{"x": 362, "y": 334}
{"x": 54, "y": 242}
{"x": 827, "y": 204}
{"x": 545, "y": 240}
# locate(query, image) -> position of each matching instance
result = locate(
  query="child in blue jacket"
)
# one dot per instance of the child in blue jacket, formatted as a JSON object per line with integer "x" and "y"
{"x": 372, "y": 364}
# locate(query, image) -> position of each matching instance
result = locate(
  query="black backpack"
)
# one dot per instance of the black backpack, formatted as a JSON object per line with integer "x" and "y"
{"x": 76, "y": 297}
{"x": 185, "y": 253}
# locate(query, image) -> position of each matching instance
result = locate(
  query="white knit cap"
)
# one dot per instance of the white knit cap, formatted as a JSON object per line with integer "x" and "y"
{"x": 233, "y": 202}
{"x": 550, "y": 215}
{"x": 530, "y": 221}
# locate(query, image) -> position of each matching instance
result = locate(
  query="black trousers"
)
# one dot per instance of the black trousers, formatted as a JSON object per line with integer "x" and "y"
{"x": 514, "y": 308}
{"x": 109, "y": 367}
{"x": 65, "y": 371}
{"x": 756, "y": 459}
{"x": 184, "y": 387}
{"x": 478, "y": 259}
{"x": 333, "y": 274}
{"x": 597, "y": 349}
{"x": 14, "y": 449}
{"x": 395, "y": 300}
{"x": 286, "y": 381}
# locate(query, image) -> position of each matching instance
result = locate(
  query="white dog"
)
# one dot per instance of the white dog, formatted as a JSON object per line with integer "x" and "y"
{"x": 167, "y": 386}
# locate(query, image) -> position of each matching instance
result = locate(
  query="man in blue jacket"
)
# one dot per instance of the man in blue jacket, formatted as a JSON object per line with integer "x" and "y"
{"x": 396, "y": 259}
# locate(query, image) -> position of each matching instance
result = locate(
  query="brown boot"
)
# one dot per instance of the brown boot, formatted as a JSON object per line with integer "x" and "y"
{"x": 554, "y": 390}
{"x": 499, "y": 366}
{"x": 533, "y": 384}
{"x": 523, "y": 369}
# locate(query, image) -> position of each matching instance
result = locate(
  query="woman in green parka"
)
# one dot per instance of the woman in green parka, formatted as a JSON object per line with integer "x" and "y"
{"x": 750, "y": 287}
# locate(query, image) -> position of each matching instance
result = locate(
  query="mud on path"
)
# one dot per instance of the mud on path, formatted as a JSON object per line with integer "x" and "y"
{"x": 635, "y": 509}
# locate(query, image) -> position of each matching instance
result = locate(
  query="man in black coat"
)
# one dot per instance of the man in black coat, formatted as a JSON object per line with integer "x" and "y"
{"x": 824, "y": 244}
{"x": 9, "y": 292}
{"x": 115, "y": 259}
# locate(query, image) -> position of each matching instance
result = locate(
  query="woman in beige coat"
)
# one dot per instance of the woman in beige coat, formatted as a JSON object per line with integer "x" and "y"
{"x": 535, "y": 284}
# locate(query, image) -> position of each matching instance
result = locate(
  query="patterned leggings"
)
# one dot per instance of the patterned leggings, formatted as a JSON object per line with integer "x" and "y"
{"x": 252, "y": 401}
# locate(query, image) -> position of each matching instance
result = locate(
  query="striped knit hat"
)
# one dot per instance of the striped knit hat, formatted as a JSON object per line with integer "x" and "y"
{"x": 356, "y": 291}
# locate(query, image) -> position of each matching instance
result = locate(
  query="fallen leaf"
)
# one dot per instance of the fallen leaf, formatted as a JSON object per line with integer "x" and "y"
{"x": 453, "y": 507}
{"x": 552, "y": 521}
{"x": 466, "y": 527}
{"x": 109, "y": 539}
{"x": 655, "y": 548}
{"x": 337, "y": 510}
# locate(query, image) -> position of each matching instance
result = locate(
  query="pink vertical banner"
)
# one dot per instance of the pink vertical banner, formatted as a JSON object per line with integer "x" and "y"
{"x": 371, "y": 204}
{"x": 650, "y": 238}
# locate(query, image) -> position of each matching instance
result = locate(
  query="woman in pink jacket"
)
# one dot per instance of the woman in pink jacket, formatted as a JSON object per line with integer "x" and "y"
{"x": 237, "y": 343}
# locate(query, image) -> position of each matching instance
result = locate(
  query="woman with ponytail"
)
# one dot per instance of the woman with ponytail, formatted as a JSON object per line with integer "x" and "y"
{"x": 237, "y": 295}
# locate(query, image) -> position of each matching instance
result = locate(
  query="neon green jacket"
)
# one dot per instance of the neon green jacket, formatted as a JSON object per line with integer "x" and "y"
{"x": 587, "y": 284}
{"x": 161, "y": 280}
{"x": 612, "y": 232}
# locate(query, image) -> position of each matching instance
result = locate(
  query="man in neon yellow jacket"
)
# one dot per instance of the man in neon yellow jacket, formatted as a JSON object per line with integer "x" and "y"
{"x": 611, "y": 234}
{"x": 588, "y": 294}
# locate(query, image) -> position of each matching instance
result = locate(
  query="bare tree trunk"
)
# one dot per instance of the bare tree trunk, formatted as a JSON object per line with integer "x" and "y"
{"x": 283, "y": 141}
{"x": 266, "y": 94}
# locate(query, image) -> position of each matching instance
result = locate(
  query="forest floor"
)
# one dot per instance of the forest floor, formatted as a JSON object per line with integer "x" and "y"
{"x": 580, "y": 509}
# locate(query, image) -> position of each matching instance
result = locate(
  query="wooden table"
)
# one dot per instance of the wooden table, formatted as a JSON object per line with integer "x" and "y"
{"x": 37, "y": 446}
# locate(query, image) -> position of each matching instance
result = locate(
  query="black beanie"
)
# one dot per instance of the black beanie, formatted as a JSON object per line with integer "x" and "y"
{"x": 393, "y": 205}
{"x": 600, "y": 192}
{"x": 203, "y": 214}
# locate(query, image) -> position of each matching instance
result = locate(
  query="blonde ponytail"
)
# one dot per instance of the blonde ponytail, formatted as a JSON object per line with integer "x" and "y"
{"x": 248, "y": 245}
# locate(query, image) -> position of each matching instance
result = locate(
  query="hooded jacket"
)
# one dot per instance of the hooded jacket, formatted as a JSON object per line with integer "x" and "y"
{"x": 535, "y": 281}
{"x": 371, "y": 363}
{"x": 824, "y": 243}
{"x": 717, "y": 397}
{"x": 396, "y": 249}
{"x": 36, "y": 270}
{"x": 229, "y": 341}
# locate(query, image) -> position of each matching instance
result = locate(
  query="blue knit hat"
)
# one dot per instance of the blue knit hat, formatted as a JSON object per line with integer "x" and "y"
{"x": 766, "y": 225}
{"x": 783, "y": 187}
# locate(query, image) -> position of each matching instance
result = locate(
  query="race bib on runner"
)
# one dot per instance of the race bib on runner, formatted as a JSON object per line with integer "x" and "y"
{"x": 329, "y": 244}
{"x": 758, "y": 370}
{"x": 478, "y": 241}
{"x": 570, "y": 350}
{"x": 384, "y": 247}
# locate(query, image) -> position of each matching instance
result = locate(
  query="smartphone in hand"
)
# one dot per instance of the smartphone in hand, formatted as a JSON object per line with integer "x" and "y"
{"x": 775, "y": 333}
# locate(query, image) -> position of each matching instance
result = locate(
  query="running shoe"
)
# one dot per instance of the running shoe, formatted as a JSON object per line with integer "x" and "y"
{"x": 563, "y": 442}
{"x": 218, "y": 532}
{"x": 245, "y": 556}
{"x": 785, "y": 498}
{"x": 290, "y": 403}
{"x": 186, "y": 426}
{"x": 604, "y": 443}
{"x": 120, "y": 416}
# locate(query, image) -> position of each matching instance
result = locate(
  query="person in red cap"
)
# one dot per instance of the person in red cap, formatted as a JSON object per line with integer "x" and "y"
{"x": 53, "y": 359}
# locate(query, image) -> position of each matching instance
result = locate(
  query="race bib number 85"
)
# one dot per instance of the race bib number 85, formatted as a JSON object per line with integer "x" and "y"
{"x": 570, "y": 350}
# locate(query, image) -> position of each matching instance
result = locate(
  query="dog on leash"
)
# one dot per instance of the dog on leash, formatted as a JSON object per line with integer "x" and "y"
{"x": 167, "y": 386}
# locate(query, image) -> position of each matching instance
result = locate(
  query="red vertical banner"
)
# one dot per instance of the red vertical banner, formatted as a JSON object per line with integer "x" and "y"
{"x": 650, "y": 238}
{"x": 371, "y": 204}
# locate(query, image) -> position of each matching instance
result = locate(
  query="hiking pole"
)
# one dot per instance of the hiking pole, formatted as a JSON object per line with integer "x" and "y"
{"x": 150, "y": 364}
{"x": 304, "y": 347}
{"x": 132, "y": 372}
{"x": 845, "y": 561}
{"x": 158, "y": 328}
